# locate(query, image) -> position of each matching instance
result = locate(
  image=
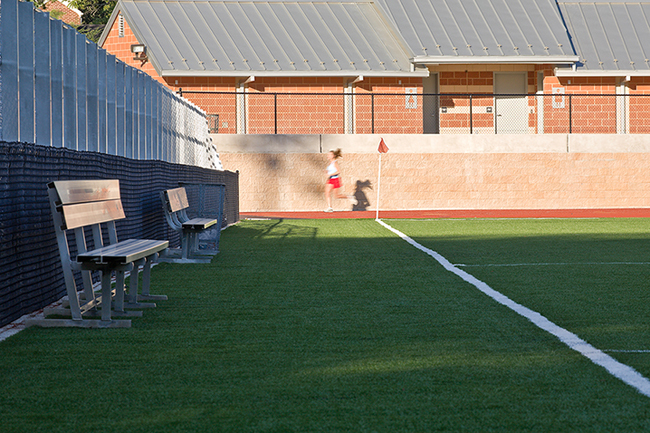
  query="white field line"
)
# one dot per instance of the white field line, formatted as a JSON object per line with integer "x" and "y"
{"x": 548, "y": 264}
{"x": 623, "y": 372}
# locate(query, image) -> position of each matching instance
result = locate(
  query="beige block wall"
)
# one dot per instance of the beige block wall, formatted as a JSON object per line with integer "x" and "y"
{"x": 591, "y": 177}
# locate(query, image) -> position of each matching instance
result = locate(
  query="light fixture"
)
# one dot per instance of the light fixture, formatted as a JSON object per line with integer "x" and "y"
{"x": 140, "y": 52}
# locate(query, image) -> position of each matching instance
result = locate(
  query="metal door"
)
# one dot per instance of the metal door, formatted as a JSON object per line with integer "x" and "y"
{"x": 510, "y": 103}
{"x": 430, "y": 105}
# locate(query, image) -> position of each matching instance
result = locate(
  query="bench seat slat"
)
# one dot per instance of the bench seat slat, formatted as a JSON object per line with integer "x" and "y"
{"x": 199, "y": 223}
{"x": 123, "y": 252}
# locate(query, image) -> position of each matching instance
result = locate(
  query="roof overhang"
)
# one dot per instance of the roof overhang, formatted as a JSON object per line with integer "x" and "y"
{"x": 511, "y": 60}
{"x": 566, "y": 72}
{"x": 246, "y": 74}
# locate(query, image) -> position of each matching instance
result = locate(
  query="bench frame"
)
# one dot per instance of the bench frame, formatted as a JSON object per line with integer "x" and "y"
{"x": 175, "y": 205}
{"x": 82, "y": 206}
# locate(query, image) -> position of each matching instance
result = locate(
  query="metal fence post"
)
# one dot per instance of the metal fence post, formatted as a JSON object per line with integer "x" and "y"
{"x": 372, "y": 112}
{"x": 570, "y": 116}
{"x": 26, "y": 71}
{"x": 9, "y": 72}
{"x": 275, "y": 111}
{"x": 471, "y": 118}
{"x": 56, "y": 82}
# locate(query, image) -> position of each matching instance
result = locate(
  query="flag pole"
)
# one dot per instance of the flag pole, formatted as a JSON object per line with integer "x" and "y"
{"x": 378, "y": 186}
{"x": 382, "y": 149}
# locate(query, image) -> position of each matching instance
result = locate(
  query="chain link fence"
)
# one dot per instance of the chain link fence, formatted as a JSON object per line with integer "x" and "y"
{"x": 411, "y": 113}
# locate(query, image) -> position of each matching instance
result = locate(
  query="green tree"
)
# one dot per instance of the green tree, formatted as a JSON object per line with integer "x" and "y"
{"x": 95, "y": 16}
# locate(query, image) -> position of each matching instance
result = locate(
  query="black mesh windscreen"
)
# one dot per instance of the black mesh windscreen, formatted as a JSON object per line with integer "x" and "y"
{"x": 30, "y": 267}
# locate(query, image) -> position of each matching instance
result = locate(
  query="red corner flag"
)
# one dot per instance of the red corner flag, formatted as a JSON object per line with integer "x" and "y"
{"x": 382, "y": 147}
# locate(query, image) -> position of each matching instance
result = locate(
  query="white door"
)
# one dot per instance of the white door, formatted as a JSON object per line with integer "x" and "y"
{"x": 511, "y": 103}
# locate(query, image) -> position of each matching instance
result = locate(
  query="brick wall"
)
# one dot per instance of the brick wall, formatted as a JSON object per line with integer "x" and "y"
{"x": 295, "y": 182}
{"x": 338, "y": 114}
{"x": 120, "y": 47}
{"x": 458, "y": 80}
{"x": 67, "y": 15}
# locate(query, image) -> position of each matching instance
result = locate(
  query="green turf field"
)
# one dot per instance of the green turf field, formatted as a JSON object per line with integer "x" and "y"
{"x": 341, "y": 326}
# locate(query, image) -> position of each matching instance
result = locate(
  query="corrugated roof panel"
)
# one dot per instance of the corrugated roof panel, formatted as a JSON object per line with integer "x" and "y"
{"x": 612, "y": 33}
{"x": 629, "y": 38}
{"x": 417, "y": 25}
{"x": 505, "y": 27}
{"x": 195, "y": 51}
{"x": 495, "y": 28}
{"x": 583, "y": 45}
{"x": 356, "y": 37}
{"x": 274, "y": 57}
{"x": 640, "y": 16}
{"x": 544, "y": 18}
{"x": 211, "y": 29}
{"x": 287, "y": 46}
{"x": 261, "y": 36}
{"x": 516, "y": 24}
{"x": 306, "y": 38}
{"x": 470, "y": 39}
{"x": 329, "y": 46}
{"x": 158, "y": 42}
{"x": 483, "y": 32}
{"x": 372, "y": 48}
{"x": 609, "y": 35}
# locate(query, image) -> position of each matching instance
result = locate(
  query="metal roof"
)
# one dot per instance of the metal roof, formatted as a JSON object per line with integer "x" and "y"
{"x": 267, "y": 37}
{"x": 471, "y": 31}
{"x": 611, "y": 38}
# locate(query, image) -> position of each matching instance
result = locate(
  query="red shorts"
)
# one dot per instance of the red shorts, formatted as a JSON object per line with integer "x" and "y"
{"x": 335, "y": 182}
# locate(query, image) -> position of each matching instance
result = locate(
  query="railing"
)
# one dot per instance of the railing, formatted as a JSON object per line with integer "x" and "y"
{"x": 59, "y": 89}
{"x": 382, "y": 113}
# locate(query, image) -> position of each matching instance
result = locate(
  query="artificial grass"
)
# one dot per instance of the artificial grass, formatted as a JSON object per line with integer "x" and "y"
{"x": 318, "y": 326}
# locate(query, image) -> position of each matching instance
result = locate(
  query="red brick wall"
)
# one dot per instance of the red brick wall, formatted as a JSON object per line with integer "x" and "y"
{"x": 392, "y": 115}
{"x": 589, "y": 115}
{"x": 120, "y": 47}
{"x": 68, "y": 15}
{"x": 299, "y": 114}
{"x": 639, "y": 106}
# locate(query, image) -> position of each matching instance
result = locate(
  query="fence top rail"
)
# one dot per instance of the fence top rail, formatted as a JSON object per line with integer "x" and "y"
{"x": 237, "y": 93}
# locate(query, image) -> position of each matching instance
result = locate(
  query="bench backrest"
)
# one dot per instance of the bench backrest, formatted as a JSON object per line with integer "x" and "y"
{"x": 86, "y": 202}
{"x": 176, "y": 199}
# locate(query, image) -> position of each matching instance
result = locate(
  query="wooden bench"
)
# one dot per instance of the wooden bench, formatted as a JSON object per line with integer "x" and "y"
{"x": 175, "y": 205}
{"x": 83, "y": 207}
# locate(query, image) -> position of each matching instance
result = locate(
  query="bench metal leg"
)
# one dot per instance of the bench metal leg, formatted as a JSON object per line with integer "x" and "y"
{"x": 107, "y": 295}
{"x": 133, "y": 281}
{"x": 185, "y": 245}
{"x": 119, "y": 291}
{"x": 146, "y": 281}
{"x": 133, "y": 301}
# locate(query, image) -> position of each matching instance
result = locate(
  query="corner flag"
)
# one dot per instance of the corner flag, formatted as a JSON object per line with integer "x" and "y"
{"x": 382, "y": 147}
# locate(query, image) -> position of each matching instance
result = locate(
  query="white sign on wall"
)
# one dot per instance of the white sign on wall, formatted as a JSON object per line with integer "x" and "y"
{"x": 411, "y": 97}
{"x": 558, "y": 101}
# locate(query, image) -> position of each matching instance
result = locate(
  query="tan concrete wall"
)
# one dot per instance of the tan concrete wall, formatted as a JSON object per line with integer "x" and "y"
{"x": 548, "y": 172}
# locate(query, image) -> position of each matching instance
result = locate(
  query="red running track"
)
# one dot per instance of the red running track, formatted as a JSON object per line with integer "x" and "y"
{"x": 495, "y": 213}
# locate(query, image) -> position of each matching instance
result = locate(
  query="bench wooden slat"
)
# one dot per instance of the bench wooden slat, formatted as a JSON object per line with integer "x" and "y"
{"x": 85, "y": 214}
{"x": 199, "y": 223}
{"x": 82, "y": 191}
{"x": 126, "y": 251}
{"x": 177, "y": 199}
